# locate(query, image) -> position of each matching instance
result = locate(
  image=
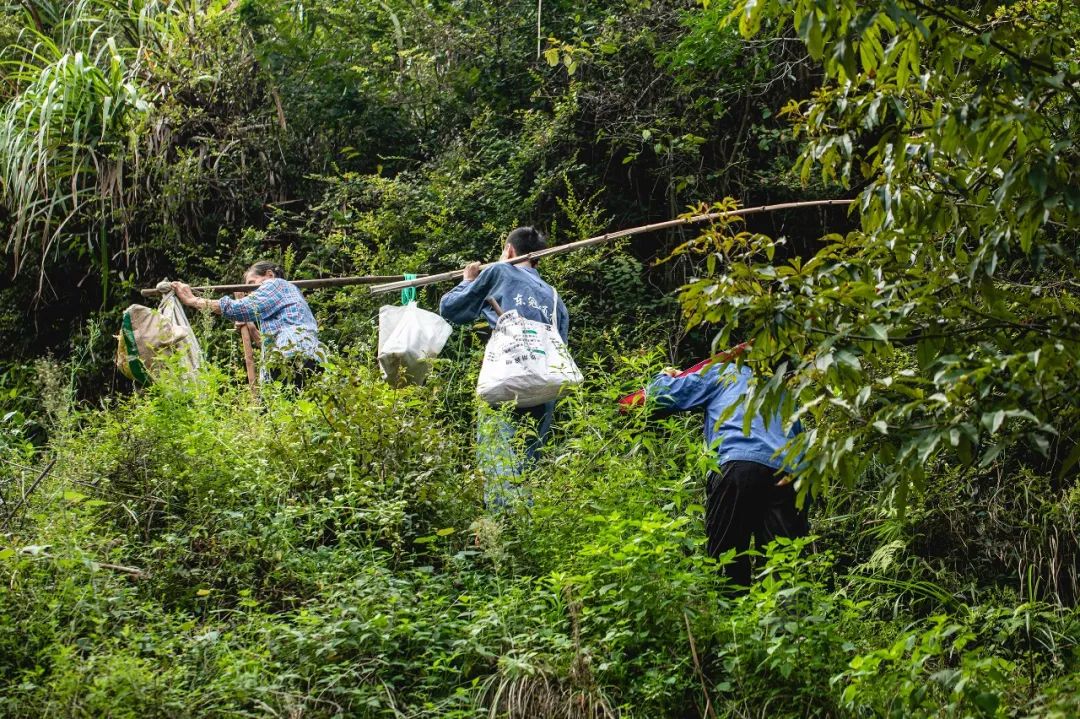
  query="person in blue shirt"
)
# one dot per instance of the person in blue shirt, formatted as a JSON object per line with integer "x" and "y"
{"x": 513, "y": 287}
{"x": 276, "y": 310}
{"x": 752, "y": 494}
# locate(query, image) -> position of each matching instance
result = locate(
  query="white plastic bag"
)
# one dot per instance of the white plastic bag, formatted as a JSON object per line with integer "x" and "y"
{"x": 409, "y": 338}
{"x": 526, "y": 362}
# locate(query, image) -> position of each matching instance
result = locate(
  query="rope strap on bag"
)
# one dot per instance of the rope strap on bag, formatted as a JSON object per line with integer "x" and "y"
{"x": 408, "y": 294}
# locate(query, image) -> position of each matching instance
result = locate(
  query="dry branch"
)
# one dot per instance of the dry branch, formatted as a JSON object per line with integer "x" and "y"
{"x": 22, "y": 500}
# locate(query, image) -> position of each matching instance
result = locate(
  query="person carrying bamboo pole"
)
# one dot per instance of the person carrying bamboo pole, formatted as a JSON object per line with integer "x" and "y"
{"x": 752, "y": 494}
{"x": 518, "y": 287}
{"x": 276, "y": 311}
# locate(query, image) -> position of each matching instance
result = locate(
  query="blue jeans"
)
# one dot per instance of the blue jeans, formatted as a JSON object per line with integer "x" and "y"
{"x": 498, "y": 449}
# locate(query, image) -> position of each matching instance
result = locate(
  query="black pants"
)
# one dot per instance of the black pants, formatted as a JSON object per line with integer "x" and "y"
{"x": 743, "y": 501}
{"x": 295, "y": 372}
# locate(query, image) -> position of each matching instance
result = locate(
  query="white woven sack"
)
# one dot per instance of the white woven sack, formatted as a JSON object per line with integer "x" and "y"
{"x": 409, "y": 338}
{"x": 526, "y": 362}
{"x": 147, "y": 336}
{"x": 171, "y": 309}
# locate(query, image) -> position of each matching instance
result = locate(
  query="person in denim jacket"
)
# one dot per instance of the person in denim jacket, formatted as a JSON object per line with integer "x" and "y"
{"x": 752, "y": 493}
{"x": 514, "y": 287}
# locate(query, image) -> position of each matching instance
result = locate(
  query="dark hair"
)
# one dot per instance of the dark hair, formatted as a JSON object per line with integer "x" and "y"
{"x": 525, "y": 240}
{"x": 262, "y": 267}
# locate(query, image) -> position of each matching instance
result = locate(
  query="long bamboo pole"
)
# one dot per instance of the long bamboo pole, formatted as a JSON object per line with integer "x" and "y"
{"x": 249, "y": 355}
{"x": 302, "y": 284}
{"x": 249, "y": 361}
{"x": 608, "y": 237}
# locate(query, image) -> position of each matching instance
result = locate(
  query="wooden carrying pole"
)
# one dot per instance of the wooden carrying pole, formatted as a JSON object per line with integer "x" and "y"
{"x": 608, "y": 237}
{"x": 302, "y": 284}
{"x": 249, "y": 355}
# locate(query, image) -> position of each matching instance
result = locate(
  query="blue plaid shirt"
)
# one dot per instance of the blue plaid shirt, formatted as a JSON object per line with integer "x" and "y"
{"x": 282, "y": 316}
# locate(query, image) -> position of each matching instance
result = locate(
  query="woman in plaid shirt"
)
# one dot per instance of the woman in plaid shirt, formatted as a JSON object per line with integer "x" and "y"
{"x": 275, "y": 309}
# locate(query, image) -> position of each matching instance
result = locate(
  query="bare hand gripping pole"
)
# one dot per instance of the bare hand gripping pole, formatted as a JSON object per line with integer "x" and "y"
{"x": 608, "y": 237}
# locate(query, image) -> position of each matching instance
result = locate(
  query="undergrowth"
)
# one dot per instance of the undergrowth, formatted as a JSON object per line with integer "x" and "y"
{"x": 194, "y": 553}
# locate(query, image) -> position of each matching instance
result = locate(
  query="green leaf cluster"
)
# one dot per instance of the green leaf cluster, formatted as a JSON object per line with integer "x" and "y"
{"x": 943, "y": 329}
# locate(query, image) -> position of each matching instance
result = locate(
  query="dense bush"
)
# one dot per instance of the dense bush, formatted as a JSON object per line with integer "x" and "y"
{"x": 327, "y": 553}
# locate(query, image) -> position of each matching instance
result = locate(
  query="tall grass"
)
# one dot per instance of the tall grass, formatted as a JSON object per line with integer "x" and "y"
{"x": 83, "y": 79}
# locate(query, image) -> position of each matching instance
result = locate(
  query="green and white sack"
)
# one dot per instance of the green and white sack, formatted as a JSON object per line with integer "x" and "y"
{"x": 148, "y": 335}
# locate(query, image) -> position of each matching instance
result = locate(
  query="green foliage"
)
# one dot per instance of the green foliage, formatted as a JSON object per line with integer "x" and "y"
{"x": 942, "y": 330}
{"x": 63, "y": 134}
{"x": 326, "y": 553}
{"x": 185, "y": 551}
{"x": 125, "y": 127}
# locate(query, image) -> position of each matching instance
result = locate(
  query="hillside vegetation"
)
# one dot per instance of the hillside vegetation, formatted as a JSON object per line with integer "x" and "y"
{"x": 186, "y": 550}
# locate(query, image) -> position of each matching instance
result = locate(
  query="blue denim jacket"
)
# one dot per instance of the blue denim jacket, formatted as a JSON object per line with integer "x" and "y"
{"x": 514, "y": 287}
{"x": 714, "y": 389}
